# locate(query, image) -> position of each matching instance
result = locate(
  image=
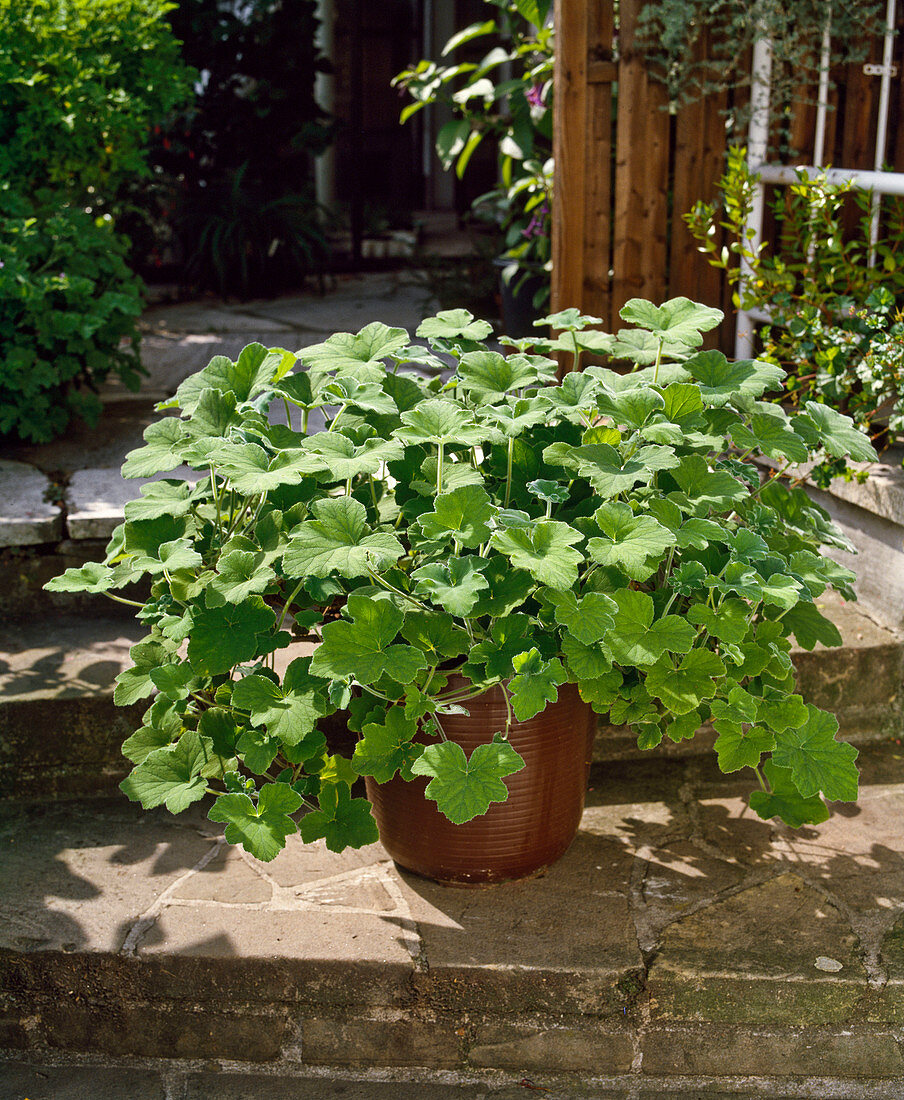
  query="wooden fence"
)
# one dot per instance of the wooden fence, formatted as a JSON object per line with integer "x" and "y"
{"x": 627, "y": 168}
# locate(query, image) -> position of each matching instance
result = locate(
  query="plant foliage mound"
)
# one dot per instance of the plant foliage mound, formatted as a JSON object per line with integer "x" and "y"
{"x": 607, "y": 530}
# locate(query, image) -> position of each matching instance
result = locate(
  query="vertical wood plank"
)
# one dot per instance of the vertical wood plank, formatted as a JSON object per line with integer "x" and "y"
{"x": 597, "y": 236}
{"x": 698, "y": 163}
{"x": 639, "y": 252}
{"x": 570, "y": 108}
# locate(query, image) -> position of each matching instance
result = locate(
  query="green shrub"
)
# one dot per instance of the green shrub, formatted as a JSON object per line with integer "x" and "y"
{"x": 82, "y": 82}
{"x": 68, "y": 304}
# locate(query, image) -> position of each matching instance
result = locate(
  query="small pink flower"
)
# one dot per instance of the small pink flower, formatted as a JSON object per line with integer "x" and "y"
{"x": 534, "y": 95}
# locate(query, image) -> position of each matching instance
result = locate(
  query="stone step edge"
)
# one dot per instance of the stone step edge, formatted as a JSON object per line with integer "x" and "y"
{"x": 91, "y": 1007}
{"x": 202, "y": 1078}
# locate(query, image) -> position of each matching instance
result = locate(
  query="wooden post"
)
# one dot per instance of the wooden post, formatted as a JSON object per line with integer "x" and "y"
{"x": 640, "y": 249}
{"x": 581, "y": 216}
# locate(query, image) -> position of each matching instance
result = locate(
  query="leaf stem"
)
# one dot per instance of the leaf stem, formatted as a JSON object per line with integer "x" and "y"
{"x": 398, "y": 591}
{"x": 508, "y": 471}
{"x": 760, "y": 779}
{"x": 288, "y": 603}
{"x": 439, "y": 468}
{"x": 122, "y": 599}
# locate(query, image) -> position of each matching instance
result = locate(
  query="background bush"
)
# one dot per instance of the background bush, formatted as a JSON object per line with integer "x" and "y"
{"x": 82, "y": 83}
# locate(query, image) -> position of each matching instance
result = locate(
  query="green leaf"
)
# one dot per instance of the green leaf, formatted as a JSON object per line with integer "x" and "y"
{"x": 586, "y": 662}
{"x": 135, "y": 683}
{"x": 488, "y": 376}
{"x": 170, "y": 776}
{"x": 636, "y": 639}
{"x": 454, "y": 324}
{"x": 342, "y": 821}
{"x": 260, "y": 829}
{"x": 830, "y": 429}
{"x": 535, "y": 684}
{"x": 360, "y": 355}
{"x": 720, "y": 380}
{"x": 92, "y": 577}
{"x": 165, "y": 444}
{"x": 634, "y": 544}
{"x": 363, "y": 648}
{"x": 258, "y": 750}
{"x": 440, "y": 421}
{"x": 173, "y": 680}
{"x": 223, "y": 637}
{"x": 545, "y": 550}
{"x": 387, "y": 747}
{"x": 335, "y": 541}
{"x": 785, "y": 801}
{"x": 464, "y": 787}
{"x": 708, "y": 489}
{"x": 684, "y": 688}
{"x": 770, "y": 436}
{"x": 455, "y": 586}
{"x": 436, "y": 635}
{"x": 240, "y": 573}
{"x": 508, "y": 637}
{"x": 816, "y": 760}
{"x": 587, "y": 619}
{"x": 601, "y": 691}
{"x": 254, "y": 370}
{"x": 331, "y": 455}
{"x": 461, "y": 515}
{"x": 739, "y": 747}
{"x": 160, "y": 498}
{"x": 809, "y": 626}
{"x": 508, "y": 589}
{"x": 290, "y": 710}
{"x": 678, "y": 319}
{"x": 729, "y": 622}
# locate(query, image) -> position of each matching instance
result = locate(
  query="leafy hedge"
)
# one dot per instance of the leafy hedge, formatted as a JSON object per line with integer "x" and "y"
{"x": 67, "y": 300}
{"x": 81, "y": 84}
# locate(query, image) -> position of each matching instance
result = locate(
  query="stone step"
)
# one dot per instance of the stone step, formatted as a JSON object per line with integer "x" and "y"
{"x": 680, "y": 937}
{"x": 60, "y": 732}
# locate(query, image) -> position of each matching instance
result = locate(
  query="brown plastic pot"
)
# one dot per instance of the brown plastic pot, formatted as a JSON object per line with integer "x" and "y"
{"x": 515, "y": 838}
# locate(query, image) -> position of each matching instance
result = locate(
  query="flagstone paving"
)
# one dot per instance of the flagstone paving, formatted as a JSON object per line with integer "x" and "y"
{"x": 679, "y": 935}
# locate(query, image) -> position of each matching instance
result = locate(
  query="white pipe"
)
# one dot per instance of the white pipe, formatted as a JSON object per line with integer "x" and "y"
{"x": 822, "y": 98}
{"x": 325, "y": 95}
{"x": 757, "y": 147}
{"x": 882, "y": 126}
{"x": 884, "y": 183}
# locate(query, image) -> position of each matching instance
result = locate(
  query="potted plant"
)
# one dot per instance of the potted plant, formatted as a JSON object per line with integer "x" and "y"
{"x": 492, "y": 547}
{"x": 504, "y": 96}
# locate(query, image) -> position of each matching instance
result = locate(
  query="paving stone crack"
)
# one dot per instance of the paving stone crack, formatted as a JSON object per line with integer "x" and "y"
{"x": 148, "y": 918}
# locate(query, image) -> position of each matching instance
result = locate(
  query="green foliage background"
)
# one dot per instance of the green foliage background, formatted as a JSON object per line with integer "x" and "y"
{"x": 81, "y": 84}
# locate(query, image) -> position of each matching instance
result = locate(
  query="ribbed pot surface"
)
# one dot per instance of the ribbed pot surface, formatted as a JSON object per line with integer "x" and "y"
{"x": 515, "y": 838}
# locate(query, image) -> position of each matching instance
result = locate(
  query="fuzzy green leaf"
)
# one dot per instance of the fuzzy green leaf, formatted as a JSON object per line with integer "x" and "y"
{"x": 335, "y": 541}
{"x": 636, "y": 639}
{"x": 359, "y": 356}
{"x": 456, "y": 586}
{"x": 342, "y": 821}
{"x": 464, "y": 787}
{"x": 387, "y": 747}
{"x": 462, "y": 515}
{"x": 545, "y": 550}
{"x": 223, "y": 637}
{"x": 363, "y": 648}
{"x": 535, "y": 684}
{"x": 586, "y": 619}
{"x": 170, "y": 776}
{"x": 634, "y": 544}
{"x": 816, "y": 760}
{"x": 290, "y": 710}
{"x": 684, "y": 688}
{"x": 785, "y": 801}
{"x": 261, "y": 829}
